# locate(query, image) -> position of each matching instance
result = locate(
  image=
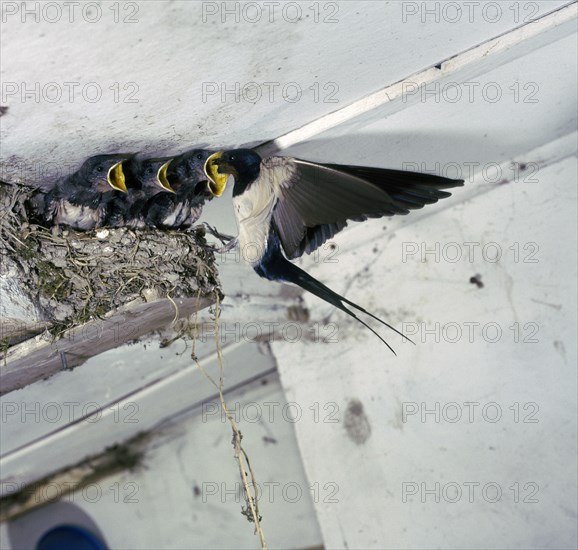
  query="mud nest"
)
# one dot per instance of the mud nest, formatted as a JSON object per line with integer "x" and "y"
{"x": 72, "y": 277}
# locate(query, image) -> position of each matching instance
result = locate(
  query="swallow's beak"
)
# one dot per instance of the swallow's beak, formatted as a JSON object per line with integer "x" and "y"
{"x": 217, "y": 180}
{"x": 162, "y": 177}
{"x": 115, "y": 177}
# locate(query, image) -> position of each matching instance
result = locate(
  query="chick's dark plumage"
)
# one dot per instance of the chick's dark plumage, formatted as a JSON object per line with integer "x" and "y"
{"x": 82, "y": 200}
{"x": 187, "y": 177}
{"x": 145, "y": 178}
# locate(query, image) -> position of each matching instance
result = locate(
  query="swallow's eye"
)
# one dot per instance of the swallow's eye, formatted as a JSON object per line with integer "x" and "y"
{"x": 99, "y": 168}
{"x": 200, "y": 156}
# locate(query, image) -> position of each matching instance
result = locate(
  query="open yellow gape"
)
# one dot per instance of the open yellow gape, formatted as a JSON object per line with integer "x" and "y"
{"x": 115, "y": 177}
{"x": 217, "y": 181}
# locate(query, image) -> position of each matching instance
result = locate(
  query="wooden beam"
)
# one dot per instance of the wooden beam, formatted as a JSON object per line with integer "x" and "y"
{"x": 41, "y": 357}
{"x": 400, "y": 95}
{"x": 161, "y": 401}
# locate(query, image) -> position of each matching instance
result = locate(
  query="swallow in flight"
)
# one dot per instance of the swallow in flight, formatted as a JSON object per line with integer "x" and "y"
{"x": 286, "y": 207}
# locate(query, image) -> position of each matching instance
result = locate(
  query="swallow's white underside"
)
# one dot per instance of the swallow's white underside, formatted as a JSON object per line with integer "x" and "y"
{"x": 254, "y": 207}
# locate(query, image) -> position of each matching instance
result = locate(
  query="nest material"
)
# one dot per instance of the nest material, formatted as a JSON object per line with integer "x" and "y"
{"x": 73, "y": 277}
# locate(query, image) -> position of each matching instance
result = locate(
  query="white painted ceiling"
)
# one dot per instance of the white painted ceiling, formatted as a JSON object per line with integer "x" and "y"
{"x": 170, "y": 53}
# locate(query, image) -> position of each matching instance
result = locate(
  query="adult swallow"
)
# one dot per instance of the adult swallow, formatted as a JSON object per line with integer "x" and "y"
{"x": 82, "y": 200}
{"x": 186, "y": 176}
{"x": 287, "y": 206}
{"x": 145, "y": 178}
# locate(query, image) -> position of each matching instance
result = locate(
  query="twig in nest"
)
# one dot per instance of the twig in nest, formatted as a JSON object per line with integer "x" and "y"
{"x": 252, "y": 509}
{"x": 170, "y": 299}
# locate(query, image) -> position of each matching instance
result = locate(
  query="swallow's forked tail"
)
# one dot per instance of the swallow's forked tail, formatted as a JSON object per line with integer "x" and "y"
{"x": 279, "y": 268}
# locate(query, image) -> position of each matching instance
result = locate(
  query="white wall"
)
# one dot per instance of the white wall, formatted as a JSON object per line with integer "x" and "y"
{"x": 527, "y": 375}
{"x": 367, "y": 454}
{"x": 171, "y": 52}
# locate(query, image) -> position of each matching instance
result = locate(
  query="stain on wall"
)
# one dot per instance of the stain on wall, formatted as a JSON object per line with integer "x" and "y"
{"x": 356, "y": 422}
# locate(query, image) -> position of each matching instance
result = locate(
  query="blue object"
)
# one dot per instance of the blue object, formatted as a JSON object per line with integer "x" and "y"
{"x": 69, "y": 537}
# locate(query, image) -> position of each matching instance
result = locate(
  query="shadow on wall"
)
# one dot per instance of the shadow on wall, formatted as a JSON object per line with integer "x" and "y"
{"x": 421, "y": 151}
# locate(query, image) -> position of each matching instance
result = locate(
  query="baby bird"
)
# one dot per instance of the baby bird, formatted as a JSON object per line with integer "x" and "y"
{"x": 186, "y": 175}
{"x": 145, "y": 179}
{"x": 82, "y": 200}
